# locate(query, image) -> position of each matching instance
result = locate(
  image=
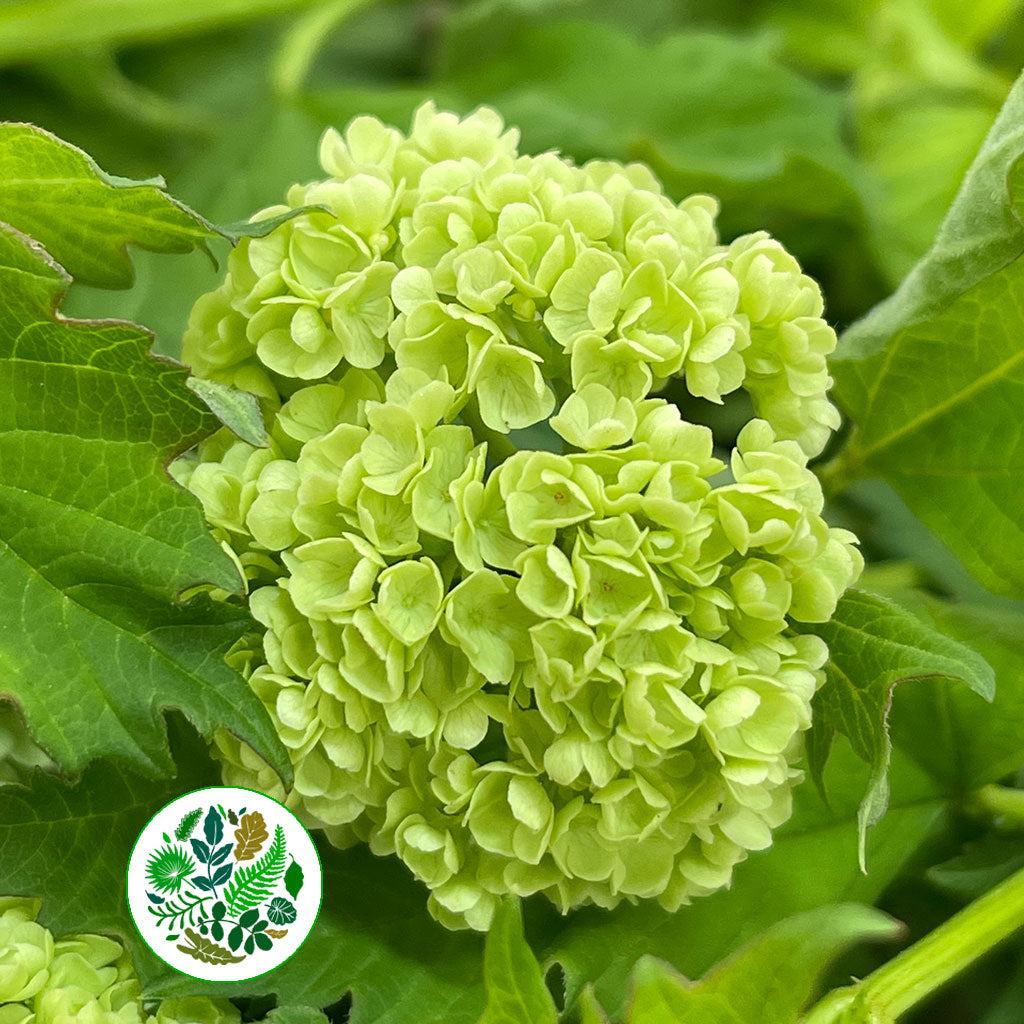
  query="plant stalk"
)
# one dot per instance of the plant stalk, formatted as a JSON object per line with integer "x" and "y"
{"x": 40, "y": 28}
{"x": 924, "y": 967}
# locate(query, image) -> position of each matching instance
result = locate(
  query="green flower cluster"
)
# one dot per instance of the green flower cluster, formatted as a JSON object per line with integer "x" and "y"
{"x": 80, "y": 979}
{"x": 550, "y": 660}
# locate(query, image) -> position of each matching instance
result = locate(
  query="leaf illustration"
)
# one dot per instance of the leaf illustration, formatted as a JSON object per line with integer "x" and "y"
{"x": 222, "y": 874}
{"x": 277, "y": 933}
{"x": 213, "y": 826}
{"x": 168, "y": 867}
{"x": 281, "y": 911}
{"x": 221, "y": 854}
{"x": 202, "y": 851}
{"x": 253, "y": 884}
{"x": 262, "y": 941}
{"x": 251, "y": 836}
{"x": 187, "y": 825}
{"x": 293, "y": 879}
{"x": 232, "y": 817}
{"x": 207, "y": 951}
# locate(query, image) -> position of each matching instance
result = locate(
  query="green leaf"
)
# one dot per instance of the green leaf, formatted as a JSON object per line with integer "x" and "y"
{"x": 769, "y": 980}
{"x": 516, "y": 993}
{"x": 961, "y": 741}
{"x": 589, "y": 1009}
{"x": 932, "y": 377}
{"x": 96, "y": 541}
{"x": 39, "y": 27}
{"x": 254, "y": 883}
{"x": 708, "y": 112}
{"x": 69, "y": 845}
{"x": 84, "y": 217}
{"x": 874, "y": 644}
{"x": 238, "y": 410}
{"x": 293, "y": 879}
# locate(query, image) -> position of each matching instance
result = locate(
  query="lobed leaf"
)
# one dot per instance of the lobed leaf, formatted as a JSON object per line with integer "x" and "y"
{"x": 96, "y": 542}
{"x": 85, "y": 218}
{"x": 874, "y": 645}
{"x": 251, "y": 834}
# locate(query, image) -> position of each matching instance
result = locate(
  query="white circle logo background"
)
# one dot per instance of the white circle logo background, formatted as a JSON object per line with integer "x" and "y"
{"x": 156, "y": 920}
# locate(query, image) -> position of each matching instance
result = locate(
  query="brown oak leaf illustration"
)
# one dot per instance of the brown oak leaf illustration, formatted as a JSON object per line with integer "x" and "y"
{"x": 277, "y": 933}
{"x": 251, "y": 835}
{"x": 207, "y": 951}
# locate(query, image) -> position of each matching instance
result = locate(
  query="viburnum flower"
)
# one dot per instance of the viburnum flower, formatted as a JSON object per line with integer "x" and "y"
{"x": 80, "y": 979}
{"x": 525, "y": 626}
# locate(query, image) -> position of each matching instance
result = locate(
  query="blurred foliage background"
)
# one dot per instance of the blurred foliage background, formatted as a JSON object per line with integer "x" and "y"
{"x": 843, "y": 127}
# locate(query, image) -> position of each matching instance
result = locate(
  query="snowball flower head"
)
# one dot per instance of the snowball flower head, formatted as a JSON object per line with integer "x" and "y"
{"x": 526, "y": 628}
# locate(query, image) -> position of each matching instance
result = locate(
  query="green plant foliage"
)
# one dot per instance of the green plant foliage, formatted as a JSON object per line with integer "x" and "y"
{"x": 516, "y": 993}
{"x": 93, "y": 556}
{"x": 933, "y": 374}
{"x": 83, "y": 217}
{"x": 770, "y": 979}
{"x": 873, "y": 646}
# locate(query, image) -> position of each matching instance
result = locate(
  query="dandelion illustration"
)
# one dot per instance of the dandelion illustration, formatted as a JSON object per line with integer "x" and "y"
{"x": 166, "y": 869}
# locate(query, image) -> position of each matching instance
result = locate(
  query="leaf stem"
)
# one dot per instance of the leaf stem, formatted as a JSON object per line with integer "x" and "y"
{"x": 37, "y": 28}
{"x": 1002, "y": 802}
{"x": 929, "y": 963}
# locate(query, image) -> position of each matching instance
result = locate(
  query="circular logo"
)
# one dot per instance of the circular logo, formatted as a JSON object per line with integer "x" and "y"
{"x": 224, "y": 884}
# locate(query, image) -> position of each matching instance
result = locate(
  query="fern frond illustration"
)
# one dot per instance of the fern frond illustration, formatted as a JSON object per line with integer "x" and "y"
{"x": 187, "y": 825}
{"x": 167, "y": 868}
{"x": 175, "y": 913}
{"x": 254, "y": 883}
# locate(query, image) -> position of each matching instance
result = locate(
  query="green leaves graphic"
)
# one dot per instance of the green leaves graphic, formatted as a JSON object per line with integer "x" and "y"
{"x": 167, "y": 868}
{"x": 933, "y": 377}
{"x": 96, "y": 542}
{"x": 188, "y": 823}
{"x": 254, "y": 883}
{"x": 293, "y": 879}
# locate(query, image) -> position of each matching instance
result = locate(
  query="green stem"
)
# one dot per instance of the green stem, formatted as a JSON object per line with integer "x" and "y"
{"x": 1002, "y": 802}
{"x": 37, "y": 28}
{"x": 305, "y": 39}
{"x": 927, "y": 965}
